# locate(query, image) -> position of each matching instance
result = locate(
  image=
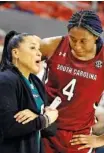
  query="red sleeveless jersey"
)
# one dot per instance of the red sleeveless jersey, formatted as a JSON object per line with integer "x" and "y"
{"x": 78, "y": 83}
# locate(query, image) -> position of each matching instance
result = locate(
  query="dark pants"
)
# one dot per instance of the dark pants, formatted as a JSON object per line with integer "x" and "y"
{"x": 100, "y": 150}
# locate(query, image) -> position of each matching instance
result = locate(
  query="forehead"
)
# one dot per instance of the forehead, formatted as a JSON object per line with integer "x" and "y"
{"x": 80, "y": 33}
{"x": 32, "y": 40}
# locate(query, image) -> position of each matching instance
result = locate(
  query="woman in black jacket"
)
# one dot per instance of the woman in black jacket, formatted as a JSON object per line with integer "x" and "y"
{"x": 23, "y": 115}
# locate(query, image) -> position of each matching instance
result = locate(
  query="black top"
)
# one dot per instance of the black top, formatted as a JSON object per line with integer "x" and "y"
{"x": 15, "y": 95}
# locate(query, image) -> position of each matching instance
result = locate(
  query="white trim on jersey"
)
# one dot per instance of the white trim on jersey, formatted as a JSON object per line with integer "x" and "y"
{"x": 90, "y": 151}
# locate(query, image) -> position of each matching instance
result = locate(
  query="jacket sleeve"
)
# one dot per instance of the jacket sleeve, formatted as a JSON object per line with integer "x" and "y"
{"x": 8, "y": 108}
{"x": 49, "y": 131}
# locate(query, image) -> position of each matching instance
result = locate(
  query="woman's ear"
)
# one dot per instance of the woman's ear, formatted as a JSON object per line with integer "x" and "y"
{"x": 96, "y": 38}
{"x": 15, "y": 53}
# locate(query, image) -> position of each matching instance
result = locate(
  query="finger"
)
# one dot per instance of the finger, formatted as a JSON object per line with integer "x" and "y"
{"x": 74, "y": 140}
{"x": 81, "y": 140}
{"x": 79, "y": 136}
{"x": 27, "y": 121}
{"x": 20, "y": 117}
{"x": 16, "y": 115}
{"x": 23, "y": 119}
{"x": 83, "y": 147}
{"x": 76, "y": 143}
{"x": 22, "y": 113}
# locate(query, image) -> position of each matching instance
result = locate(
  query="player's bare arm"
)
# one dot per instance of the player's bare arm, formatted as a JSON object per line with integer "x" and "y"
{"x": 49, "y": 45}
{"x": 88, "y": 141}
{"x": 98, "y": 128}
{"x": 92, "y": 141}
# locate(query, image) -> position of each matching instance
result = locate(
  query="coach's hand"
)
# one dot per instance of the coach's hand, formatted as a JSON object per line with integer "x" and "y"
{"x": 51, "y": 113}
{"x": 25, "y": 116}
{"x": 87, "y": 141}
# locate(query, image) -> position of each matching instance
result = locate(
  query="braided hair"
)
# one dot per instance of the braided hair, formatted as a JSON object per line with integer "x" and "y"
{"x": 12, "y": 40}
{"x": 89, "y": 20}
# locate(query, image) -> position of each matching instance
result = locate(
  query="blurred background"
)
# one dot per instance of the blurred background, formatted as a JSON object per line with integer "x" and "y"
{"x": 43, "y": 18}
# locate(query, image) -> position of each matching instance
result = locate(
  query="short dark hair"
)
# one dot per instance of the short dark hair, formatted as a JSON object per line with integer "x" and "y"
{"x": 87, "y": 19}
{"x": 12, "y": 40}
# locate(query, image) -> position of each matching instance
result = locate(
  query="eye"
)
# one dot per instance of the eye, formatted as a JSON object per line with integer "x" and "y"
{"x": 32, "y": 47}
{"x": 74, "y": 40}
{"x": 84, "y": 41}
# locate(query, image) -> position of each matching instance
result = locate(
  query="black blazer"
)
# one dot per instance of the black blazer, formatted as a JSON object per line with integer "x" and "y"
{"x": 15, "y": 96}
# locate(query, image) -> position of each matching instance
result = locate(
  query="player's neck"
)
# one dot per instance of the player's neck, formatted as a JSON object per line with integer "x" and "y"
{"x": 87, "y": 56}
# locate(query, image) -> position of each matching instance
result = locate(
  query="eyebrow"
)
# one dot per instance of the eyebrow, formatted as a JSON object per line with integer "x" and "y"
{"x": 33, "y": 43}
{"x": 75, "y": 38}
{"x": 72, "y": 37}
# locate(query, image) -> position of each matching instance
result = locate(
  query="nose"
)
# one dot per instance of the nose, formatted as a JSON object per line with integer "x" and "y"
{"x": 77, "y": 46}
{"x": 39, "y": 53}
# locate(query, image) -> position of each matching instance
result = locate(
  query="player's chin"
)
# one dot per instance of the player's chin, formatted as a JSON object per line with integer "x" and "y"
{"x": 80, "y": 54}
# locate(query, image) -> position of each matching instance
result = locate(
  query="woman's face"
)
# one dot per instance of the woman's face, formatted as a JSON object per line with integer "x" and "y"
{"x": 28, "y": 54}
{"x": 81, "y": 41}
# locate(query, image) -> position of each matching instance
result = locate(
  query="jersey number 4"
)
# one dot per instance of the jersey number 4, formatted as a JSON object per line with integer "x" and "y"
{"x": 71, "y": 86}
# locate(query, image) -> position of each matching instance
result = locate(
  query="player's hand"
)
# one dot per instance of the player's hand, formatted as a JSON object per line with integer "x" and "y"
{"x": 51, "y": 113}
{"x": 87, "y": 141}
{"x": 25, "y": 116}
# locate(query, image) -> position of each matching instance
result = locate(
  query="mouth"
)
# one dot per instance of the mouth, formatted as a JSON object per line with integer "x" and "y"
{"x": 38, "y": 62}
{"x": 79, "y": 52}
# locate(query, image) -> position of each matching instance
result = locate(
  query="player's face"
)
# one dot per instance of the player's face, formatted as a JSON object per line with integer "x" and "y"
{"x": 82, "y": 41}
{"x": 28, "y": 54}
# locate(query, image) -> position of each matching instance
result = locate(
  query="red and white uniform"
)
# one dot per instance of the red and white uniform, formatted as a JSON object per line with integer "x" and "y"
{"x": 80, "y": 85}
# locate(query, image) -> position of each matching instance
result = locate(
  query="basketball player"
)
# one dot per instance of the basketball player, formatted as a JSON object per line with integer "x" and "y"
{"x": 76, "y": 74}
